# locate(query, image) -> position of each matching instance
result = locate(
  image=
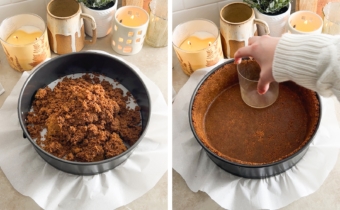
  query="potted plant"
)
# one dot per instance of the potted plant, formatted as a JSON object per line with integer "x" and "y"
{"x": 102, "y": 11}
{"x": 274, "y": 12}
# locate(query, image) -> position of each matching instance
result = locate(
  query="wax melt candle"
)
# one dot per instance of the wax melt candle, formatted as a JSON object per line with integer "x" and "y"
{"x": 24, "y": 35}
{"x": 198, "y": 41}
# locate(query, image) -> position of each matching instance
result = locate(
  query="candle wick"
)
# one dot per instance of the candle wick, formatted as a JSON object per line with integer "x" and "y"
{"x": 16, "y": 37}
{"x": 189, "y": 43}
{"x": 209, "y": 44}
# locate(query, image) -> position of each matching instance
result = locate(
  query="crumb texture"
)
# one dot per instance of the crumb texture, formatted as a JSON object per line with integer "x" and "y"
{"x": 241, "y": 134}
{"x": 86, "y": 119}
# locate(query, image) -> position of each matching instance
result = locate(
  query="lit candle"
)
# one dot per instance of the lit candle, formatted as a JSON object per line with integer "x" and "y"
{"x": 197, "y": 44}
{"x": 198, "y": 41}
{"x": 24, "y": 35}
{"x": 133, "y": 17}
{"x": 129, "y": 30}
{"x": 24, "y": 40}
{"x": 305, "y": 22}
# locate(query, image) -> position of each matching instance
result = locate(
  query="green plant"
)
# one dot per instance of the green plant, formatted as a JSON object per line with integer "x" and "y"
{"x": 268, "y": 6}
{"x": 96, "y": 3}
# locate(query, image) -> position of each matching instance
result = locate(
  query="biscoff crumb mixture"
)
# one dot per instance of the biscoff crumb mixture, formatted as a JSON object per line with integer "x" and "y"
{"x": 86, "y": 119}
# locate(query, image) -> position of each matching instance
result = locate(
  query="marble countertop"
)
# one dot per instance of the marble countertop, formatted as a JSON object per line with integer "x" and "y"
{"x": 326, "y": 197}
{"x": 153, "y": 63}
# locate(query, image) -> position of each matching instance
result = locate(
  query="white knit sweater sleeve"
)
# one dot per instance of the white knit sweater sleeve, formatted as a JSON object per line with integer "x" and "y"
{"x": 312, "y": 61}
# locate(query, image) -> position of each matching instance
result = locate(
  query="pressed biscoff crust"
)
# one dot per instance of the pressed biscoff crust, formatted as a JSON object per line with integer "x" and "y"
{"x": 86, "y": 119}
{"x": 244, "y": 135}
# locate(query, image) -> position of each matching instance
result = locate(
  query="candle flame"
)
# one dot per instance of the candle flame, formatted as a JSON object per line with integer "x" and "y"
{"x": 189, "y": 43}
{"x": 209, "y": 44}
{"x": 16, "y": 37}
{"x": 305, "y": 22}
{"x": 132, "y": 16}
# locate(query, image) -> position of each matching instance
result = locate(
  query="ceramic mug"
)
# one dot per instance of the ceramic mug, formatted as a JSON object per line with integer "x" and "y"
{"x": 66, "y": 26}
{"x": 237, "y": 25}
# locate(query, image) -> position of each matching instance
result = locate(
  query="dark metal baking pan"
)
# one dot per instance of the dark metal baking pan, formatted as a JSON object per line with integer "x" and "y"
{"x": 243, "y": 170}
{"x": 84, "y": 62}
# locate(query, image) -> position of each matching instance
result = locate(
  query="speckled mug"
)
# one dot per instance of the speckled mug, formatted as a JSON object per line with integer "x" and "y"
{"x": 66, "y": 26}
{"x": 237, "y": 25}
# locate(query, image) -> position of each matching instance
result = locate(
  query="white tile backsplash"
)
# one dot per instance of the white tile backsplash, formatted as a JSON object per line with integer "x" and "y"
{"x": 196, "y": 3}
{"x": 27, "y": 6}
{"x": 177, "y": 5}
{"x": 15, "y": 1}
{"x": 4, "y": 2}
{"x": 185, "y": 10}
{"x": 209, "y": 12}
{"x": 221, "y": 4}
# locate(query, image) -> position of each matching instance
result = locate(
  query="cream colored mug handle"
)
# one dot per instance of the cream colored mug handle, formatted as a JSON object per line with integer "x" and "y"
{"x": 94, "y": 28}
{"x": 263, "y": 24}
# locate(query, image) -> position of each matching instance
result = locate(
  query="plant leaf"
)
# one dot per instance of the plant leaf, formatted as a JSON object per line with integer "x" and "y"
{"x": 95, "y": 3}
{"x": 268, "y": 6}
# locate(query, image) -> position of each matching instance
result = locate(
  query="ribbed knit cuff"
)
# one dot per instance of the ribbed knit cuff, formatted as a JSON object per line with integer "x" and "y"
{"x": 297, "y": 58}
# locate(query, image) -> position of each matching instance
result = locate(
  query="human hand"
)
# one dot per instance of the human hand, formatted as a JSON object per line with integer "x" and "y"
{"x": 262, "y": 49}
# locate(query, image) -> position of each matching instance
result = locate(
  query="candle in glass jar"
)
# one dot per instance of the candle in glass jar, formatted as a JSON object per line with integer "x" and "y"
{"x": 306, "y": 26}
{"x": 157, "y": 33}
{"x": 132, "y": 18}
{"x": 25, "y": 41}
{"x": 198, "y": 41}
{"x": 24, "y": 35}
{"x": 331, "y": 18}
{"x": 305, "y": 22}
{"x": 197, "y": 44}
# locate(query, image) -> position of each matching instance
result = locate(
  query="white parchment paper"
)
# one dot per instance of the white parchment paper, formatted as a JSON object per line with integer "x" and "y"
{"x": 53, "y": 189}
{"x": 233, "y": 192}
